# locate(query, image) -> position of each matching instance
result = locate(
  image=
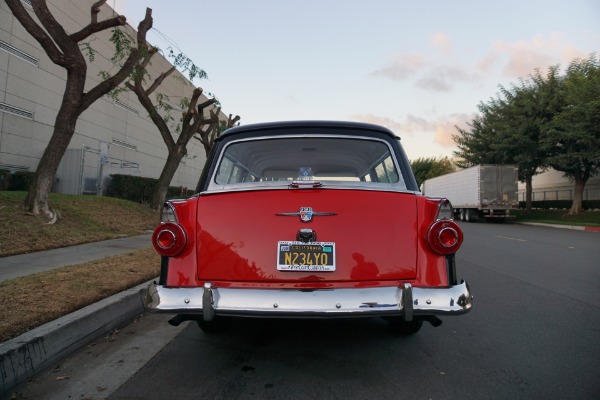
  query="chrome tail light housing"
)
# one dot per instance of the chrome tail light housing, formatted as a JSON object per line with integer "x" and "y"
{"x": 169, "y": 239}
{"x": 444, "y": 237}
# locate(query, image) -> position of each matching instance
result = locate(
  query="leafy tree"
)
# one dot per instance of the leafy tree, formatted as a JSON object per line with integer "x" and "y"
{"x": 427, "y": 168}
{"x": 509, "y": 128}
{"x": 67, "y": 51}
{"x": 572, "y": 137}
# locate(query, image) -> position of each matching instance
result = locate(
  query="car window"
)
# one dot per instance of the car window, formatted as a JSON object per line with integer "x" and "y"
{"x": 324, "y": 159}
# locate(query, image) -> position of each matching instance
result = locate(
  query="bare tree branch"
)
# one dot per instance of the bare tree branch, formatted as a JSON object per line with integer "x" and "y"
{"x": 31, "y": 26}
{"x": 158, "y": 81}
{"x": 107, "y": 85}
{"x": 90, "y": 29}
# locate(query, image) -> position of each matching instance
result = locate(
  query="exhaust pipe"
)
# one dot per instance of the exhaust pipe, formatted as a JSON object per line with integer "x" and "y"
{"x": 179, "y": 318}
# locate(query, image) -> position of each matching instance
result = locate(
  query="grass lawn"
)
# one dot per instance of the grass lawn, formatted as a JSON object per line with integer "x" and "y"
{"x": 30, "y": 301}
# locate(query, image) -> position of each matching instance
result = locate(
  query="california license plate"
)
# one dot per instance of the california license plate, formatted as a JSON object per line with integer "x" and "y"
{"x": 300, "y": 256}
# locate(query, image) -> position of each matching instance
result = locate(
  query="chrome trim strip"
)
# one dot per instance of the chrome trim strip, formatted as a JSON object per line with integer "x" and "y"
{"x": 355, "y": 302}
{"x": 230, "y": 189}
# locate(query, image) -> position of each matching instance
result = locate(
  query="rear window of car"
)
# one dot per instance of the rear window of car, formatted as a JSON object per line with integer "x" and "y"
{"x": 325, "y": 159}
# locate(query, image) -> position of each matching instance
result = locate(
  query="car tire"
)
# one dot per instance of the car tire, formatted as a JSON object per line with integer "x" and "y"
{"x": 462, "y": 214}
{"x": 399, "y": 325}
{"x": 217, "y": 325}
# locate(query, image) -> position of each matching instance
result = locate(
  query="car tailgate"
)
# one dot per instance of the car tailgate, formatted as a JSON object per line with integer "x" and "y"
{"x": 373, "y": 234}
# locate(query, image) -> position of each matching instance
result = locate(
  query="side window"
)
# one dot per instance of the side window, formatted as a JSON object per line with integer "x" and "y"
{"x": 385, "y": 171}
{"x": 232, "y": 172}
{"x": 225, "y": 172}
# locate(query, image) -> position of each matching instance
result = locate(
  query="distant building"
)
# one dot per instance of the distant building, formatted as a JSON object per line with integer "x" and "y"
{"x": 112, "y": 136}
{"x": 552, "y": 185}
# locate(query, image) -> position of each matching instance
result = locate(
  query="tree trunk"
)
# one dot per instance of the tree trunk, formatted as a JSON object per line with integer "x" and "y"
{"x": 36, "y": 200}
{"x": 528, "y": 193}
{"x": 577, "y": 206}
{"x": 160, "y": 194}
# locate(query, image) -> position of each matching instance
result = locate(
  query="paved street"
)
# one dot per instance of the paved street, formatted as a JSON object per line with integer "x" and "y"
{"x": 533, "y": 333}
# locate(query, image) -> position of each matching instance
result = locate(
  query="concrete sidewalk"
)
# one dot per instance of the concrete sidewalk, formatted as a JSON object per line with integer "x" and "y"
{"x": 26, "y": 264}
{"x": 27, "y": 355}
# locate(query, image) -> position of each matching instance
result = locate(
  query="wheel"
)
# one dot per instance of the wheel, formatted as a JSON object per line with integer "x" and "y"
{"x": 462, "y": 214}
{"x": 399, "y": 325}
{"x": 468, "y": 215}
{"x": 217, "y": 325}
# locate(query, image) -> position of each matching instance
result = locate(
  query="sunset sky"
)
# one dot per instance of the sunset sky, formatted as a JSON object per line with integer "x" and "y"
{"x": 416, "y": 67}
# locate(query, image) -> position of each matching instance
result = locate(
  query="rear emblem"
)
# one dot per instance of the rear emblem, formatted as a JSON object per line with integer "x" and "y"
{"x": 306, "y": 214}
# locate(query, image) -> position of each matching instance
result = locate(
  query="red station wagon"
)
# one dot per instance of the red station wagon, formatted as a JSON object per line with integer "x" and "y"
{"x": 308, "y": 219}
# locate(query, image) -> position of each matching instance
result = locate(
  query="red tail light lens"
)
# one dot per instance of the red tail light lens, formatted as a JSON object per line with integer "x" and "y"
{"x": 444, "y": 237}
{"x": 169, "y": 239}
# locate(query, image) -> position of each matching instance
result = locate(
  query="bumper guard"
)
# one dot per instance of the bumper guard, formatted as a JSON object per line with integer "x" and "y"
{"x": 406, "y": 300}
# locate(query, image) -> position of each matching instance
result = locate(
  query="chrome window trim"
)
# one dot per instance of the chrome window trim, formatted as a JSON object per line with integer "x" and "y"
{"x": 399, "y": 186}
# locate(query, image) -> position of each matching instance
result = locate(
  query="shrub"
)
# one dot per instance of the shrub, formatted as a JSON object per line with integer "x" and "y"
{"x": 20, "y": 180}
{"x": 4, "y": 179}
{"x": 561, "y": 204}
{"x": 139, "y": 189}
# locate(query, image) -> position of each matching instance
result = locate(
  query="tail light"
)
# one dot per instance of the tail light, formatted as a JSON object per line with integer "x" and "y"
{"x": 169, "y": 239}
{"x": 444, "y": 237}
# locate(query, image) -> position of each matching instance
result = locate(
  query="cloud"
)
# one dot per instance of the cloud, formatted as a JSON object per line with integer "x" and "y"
{"x": 445, "y": 128}
{"x": 427, "y": 74}
{"x": 402, "y": 68}
{"x": 443, "y": 78}
{"x": 442, "y": 43}
{"x": 441, "y": 129}
{"x": 519, "y": 59}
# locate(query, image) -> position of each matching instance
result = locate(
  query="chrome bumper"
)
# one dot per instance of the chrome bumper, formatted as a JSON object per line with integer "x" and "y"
{"x": 407, "y": 301}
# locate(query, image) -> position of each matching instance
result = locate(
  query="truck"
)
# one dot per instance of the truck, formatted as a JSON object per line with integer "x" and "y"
{"x": 480, "y": 192}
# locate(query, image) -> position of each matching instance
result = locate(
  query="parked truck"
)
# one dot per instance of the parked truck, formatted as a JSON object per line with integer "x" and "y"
{"x": 482, "y": 191}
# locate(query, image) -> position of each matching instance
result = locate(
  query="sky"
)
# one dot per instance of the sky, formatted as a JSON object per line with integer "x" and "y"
{"x": 419, "y": 68}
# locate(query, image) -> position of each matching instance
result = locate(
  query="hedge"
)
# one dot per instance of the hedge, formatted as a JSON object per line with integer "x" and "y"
{"x": 4, "y": 179}
{"x": 18, "y": 180}
{"x": 139, "y": 189}
{"x": 561, "y": 204}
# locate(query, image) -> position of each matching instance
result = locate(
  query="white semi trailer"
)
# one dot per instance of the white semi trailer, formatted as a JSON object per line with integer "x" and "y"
{"x": 482, "y": 191}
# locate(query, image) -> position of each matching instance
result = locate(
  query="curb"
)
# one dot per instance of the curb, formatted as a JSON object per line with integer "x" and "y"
{"x": 573, "y": 227}
{"x": 25, "y": 356}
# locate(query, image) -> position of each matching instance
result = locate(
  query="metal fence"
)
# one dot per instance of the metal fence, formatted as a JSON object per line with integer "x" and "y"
{"x": 560, "y": 194}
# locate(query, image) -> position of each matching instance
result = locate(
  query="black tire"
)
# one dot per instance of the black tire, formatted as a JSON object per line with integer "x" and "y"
{"x": 399, "y": 325}
{"x": 462, "y": 214}
{"x": 468, "y": 215}
{"x": 217, "y": 325}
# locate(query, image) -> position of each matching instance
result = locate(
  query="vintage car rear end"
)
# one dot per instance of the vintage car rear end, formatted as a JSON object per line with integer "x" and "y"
{"x": 308, "y": 219}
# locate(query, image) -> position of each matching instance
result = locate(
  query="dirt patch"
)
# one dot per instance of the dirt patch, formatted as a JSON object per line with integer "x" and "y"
{"x": 31, "y": 301}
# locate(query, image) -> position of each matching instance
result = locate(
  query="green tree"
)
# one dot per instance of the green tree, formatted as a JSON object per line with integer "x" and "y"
{"x": 509, "y": 128}
{"x": 572, "y": 137}
{"x": 430, "y": 167}
{"x": 67, "y": 51}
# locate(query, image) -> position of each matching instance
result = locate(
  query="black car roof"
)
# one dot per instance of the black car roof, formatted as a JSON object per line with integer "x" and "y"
{"x": 348, "y": 125}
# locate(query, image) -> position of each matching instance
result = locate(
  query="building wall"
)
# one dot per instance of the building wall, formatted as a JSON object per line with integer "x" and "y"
{"x": 552, "y": 185}
{"x": 31, "y": 93}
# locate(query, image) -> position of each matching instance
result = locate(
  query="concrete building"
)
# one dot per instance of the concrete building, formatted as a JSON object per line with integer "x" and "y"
{"x": 552, "y": 185}
{"x": 112, "y": 136}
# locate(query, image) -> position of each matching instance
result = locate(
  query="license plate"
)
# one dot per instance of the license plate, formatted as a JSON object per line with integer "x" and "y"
{"x": 299, "y": 256}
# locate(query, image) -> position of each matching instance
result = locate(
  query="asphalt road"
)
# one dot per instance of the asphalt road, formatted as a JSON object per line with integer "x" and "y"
{"x": 534, "y": 332}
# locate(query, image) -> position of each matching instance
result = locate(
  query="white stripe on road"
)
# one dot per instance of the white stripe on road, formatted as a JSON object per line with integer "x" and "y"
{"x": 509, "y": 238}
